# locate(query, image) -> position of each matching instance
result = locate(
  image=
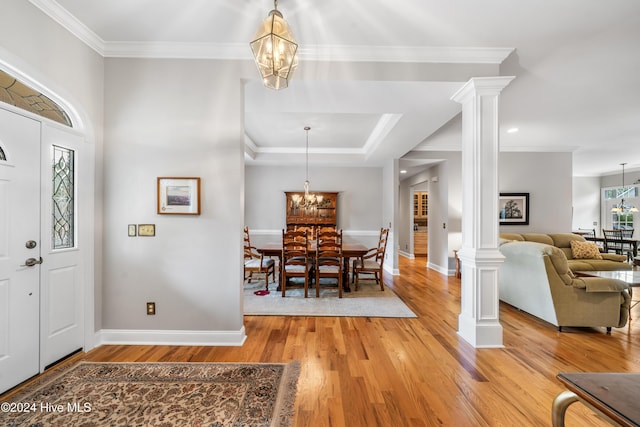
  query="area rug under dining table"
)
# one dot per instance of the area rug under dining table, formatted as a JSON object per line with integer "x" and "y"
{"x": 367, "y": 301}
{"x": 157, "y": 394}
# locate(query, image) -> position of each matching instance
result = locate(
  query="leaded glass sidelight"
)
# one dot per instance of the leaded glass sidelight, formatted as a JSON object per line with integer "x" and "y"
{"x": 63, "y": 225}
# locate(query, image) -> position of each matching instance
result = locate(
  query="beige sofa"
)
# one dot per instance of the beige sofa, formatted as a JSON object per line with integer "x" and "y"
{"x": 563, "y": 242}
{"x": 536, "y": 278}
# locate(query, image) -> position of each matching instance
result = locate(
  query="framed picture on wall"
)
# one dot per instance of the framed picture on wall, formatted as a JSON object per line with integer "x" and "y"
{"x": 514, "y": 208}
{"x": 179, "y": 195}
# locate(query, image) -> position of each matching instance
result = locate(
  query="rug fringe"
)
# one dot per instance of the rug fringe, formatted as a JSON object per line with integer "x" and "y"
{"x": 284, "y": 408}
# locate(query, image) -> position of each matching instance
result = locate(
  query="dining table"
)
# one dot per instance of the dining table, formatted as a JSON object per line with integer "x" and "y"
{"x": 349, "y": 250}
{"x": 632, "y": 242}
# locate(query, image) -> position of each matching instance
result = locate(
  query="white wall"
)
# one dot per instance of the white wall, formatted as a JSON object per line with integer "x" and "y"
{"x": 586, "y": 203}
{"x": 359, "y": 211}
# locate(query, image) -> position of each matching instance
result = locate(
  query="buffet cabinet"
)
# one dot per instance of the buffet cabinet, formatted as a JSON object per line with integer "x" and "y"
{"x": 321, "y": 213}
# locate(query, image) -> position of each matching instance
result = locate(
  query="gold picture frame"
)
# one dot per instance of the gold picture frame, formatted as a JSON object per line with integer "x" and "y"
{"x": 179, "y": 195}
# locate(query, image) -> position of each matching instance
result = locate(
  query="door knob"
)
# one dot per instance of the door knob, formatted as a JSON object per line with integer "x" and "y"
{"x": 30, "y": 262}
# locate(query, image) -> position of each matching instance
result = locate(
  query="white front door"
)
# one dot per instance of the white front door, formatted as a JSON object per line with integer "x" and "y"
{"x": 62, "y": 272}
{"x": 19, "y": 249}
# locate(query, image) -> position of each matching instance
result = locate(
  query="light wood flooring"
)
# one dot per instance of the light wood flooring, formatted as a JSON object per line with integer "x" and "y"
{"x": 418, "y": 372}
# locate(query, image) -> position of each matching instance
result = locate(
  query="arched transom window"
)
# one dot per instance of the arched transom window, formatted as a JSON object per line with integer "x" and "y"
{"x": 18, "y": 94}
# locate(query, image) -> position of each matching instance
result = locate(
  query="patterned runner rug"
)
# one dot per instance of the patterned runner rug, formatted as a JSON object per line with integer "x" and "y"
{"x": 157, "y": 394}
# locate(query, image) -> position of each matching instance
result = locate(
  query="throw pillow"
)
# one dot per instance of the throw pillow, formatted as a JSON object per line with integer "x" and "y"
{"x": 585, "y": 250}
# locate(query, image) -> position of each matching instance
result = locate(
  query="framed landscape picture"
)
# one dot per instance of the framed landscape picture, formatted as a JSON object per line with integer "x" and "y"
{"x": 179, "y": 196}
{"x": 514, "y": 208}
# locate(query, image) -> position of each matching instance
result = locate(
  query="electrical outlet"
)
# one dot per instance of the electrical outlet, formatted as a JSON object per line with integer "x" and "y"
{"x": 151, "y": 308}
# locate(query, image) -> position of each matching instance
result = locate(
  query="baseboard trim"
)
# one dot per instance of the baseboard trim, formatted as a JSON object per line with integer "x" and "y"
{"x": 158, "y": 337}
{"x": 441, "y": 269}
{"x": 406, "y": 254}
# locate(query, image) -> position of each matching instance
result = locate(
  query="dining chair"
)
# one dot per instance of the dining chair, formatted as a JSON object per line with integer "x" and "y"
{"x": 328, "y": 259}
{"x": 256, "y": 263}
{"x": 587, "y": 233}
{"x": 590, "y": 234}
{"x": 373, "y": 261}
{"x": 295, "y": 259}
{"x": 627, "y": 247}
{"x": 612, "y": 241}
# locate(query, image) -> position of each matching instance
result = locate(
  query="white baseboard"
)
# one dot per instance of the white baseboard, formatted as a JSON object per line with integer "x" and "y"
{"x": 158, "y": 337}
{"x": 406, "y": 254}
{"x": 390, "y": 270}
{"x": 441, "y": 269}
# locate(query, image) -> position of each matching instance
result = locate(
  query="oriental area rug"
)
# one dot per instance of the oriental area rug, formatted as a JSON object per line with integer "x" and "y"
{"x": 367, "y": 301}
{"x": 157, "y": 394}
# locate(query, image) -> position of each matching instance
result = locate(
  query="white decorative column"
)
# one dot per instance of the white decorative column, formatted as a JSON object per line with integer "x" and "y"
{"x": 480, "y": 258}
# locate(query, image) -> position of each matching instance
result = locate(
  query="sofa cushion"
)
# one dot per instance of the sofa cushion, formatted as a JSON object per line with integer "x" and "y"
{"x": 585, "y": 250}
{"x": 563, "y": 240}
{"x": 597, "y": 265}
{"x": 512, "y": 237}
{"x": 539, "y": 238}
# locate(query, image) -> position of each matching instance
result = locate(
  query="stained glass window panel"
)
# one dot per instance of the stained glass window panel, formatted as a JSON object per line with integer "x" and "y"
{"x": 63, "y": 224}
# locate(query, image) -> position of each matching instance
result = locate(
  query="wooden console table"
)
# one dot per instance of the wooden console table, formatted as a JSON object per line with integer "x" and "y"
{"x": 611, "y": 395}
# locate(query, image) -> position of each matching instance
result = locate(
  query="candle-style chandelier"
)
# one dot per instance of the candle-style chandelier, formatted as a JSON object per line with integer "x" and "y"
{"x": 309, "y": 199}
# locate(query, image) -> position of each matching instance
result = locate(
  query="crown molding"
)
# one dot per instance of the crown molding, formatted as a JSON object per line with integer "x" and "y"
{"x": 241, "y": 51}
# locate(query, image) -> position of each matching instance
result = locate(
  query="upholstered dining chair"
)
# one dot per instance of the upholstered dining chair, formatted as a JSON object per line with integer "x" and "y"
{"x": 372, "y": 262}
{"x": 295, "y": 259}
{"x": 256, "y": 263}
{"x": 328, "y": 259}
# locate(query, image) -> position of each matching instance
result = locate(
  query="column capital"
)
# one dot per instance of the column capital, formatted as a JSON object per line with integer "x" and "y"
{"x": 482, "y": 86}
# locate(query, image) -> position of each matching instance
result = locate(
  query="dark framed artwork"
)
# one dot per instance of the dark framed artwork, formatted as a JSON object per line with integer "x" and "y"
{"x": 179, "y": 196}
{"x": 514, "y": 208}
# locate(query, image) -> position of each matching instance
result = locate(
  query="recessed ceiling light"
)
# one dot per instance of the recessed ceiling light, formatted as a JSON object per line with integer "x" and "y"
{"x": 512, "y": 130}
{"x": 403, "y": 171}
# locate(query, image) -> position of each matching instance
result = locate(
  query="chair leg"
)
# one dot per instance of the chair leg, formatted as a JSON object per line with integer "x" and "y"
{"x": 283, "y": 283}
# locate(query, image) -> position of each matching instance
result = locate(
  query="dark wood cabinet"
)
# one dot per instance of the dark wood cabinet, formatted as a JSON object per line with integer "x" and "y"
{"x": 322, "y": 213}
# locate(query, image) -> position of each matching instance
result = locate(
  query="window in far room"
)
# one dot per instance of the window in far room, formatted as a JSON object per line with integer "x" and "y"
{"x": 613, "y": 197}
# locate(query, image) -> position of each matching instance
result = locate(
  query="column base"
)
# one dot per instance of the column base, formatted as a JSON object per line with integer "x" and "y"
{"x": 480, "y": 335}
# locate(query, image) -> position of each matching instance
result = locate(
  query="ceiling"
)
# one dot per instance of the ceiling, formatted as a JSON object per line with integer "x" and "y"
{"x": 576, "y": 64}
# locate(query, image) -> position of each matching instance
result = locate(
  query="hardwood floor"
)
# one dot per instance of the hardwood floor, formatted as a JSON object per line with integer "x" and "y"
{"x": 418, "y": 372}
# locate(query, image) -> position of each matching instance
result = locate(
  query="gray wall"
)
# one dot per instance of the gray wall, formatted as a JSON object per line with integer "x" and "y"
{"x": 359, "y": 199}
{"x": 173, "y": 118}
{"x": 545, "y": 176}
